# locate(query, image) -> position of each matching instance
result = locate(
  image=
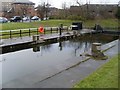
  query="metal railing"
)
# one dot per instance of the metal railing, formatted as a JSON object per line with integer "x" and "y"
{"x": 30, "y": 31}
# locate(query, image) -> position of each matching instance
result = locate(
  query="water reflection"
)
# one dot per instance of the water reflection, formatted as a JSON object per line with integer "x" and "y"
{"x": 36, "y": 48}
{"x": 77, "y": 46}
{"x": 60, "y": 45}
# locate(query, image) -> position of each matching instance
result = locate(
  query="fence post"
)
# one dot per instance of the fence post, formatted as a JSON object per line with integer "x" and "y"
{"x": 51, "y": 30}
{"x": 10, "y": 34}
{"x": 44, "y": 31}
{"x": 20, "y": 33}
{"x": 60, "y": 31}
{"x": 29, "y": 31}
{"x": 61, "y": 28}
{"x": 57, "y": 29}
{"x": 37, "y": 31}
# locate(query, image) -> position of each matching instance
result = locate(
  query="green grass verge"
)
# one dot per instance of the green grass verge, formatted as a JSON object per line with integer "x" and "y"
{"x": 104, "y": 77}
{"x": 110, "y": 23}
{"x": 105, "y": 23}
{"x": 23, "y": 25}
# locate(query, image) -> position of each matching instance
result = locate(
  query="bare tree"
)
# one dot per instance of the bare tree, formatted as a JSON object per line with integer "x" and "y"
{"x": 64, "y": 7}
{"x": 24, "y": 10}
{"x": 78, "y": 2}
{"x": 47, "y": 10}
{"x": 87, "y": 9}
{"x": 43, "y": 9}
{"x": 80, "y": 5}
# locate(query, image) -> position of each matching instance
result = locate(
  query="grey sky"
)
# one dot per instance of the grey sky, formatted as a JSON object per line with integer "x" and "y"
{"x": 58, "y": 3}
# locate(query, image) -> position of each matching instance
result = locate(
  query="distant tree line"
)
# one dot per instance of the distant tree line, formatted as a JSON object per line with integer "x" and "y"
{"x": 82, "y": 12}
{"x": 118, "y": 13}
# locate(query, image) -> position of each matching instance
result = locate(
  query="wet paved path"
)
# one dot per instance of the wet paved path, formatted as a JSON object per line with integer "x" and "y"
{"x": 67, "y": 77}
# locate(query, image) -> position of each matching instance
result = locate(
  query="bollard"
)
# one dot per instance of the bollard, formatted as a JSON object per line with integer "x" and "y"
{"x": 96, "y": 51}
{"x": 96, "y": 47}
{"x": 35, "y": 38}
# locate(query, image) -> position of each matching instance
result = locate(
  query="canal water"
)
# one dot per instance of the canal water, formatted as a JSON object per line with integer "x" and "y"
{"x": 28, "y": 66}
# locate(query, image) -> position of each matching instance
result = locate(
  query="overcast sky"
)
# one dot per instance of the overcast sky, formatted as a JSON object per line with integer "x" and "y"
{"x": 58, "y": 3}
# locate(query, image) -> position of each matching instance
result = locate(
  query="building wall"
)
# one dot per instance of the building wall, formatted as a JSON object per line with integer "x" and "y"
{"x": 23, "y": 10}
{"x": 11, "y": 8}
{"x": 95, "y": 10}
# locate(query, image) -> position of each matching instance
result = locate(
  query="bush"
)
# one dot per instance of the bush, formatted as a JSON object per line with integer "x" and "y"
{"x": 74, "y": 17}
{"x": 70, "y": 17}
{"x": 118, "y": 13}
{"x": 57, "y": 17}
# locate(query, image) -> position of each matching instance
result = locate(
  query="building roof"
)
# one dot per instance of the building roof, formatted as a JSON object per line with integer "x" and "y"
{"x": 23, "y": 2}
{"x": 6, "y": 0}
{"x": 18, "y": 1}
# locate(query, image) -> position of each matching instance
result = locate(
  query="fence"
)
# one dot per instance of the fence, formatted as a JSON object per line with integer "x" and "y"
{"x": 31, "y": 31}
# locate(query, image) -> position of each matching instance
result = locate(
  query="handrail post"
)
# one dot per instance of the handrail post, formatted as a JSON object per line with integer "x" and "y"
{"x": 51, "y": 30}
{"x": 10, "y": 34}
{"x": 61, "y": 28}
{"x": 37, "y": 31}
{"x": 29, "y": 31}
{"x": 20, "y": 33}
{"x": 57, "y": 29}
{"x": 44, "y": 31}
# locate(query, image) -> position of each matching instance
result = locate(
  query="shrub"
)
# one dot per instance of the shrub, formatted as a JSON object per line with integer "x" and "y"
{"x": 74, "y": 17}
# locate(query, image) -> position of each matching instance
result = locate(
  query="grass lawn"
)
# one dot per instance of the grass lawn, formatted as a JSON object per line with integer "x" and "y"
{"x": 104, "y": 77}
{"x": 23, "y": 25}
{"x": 105, "y": 23}
{"x": 112, "y": 23}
